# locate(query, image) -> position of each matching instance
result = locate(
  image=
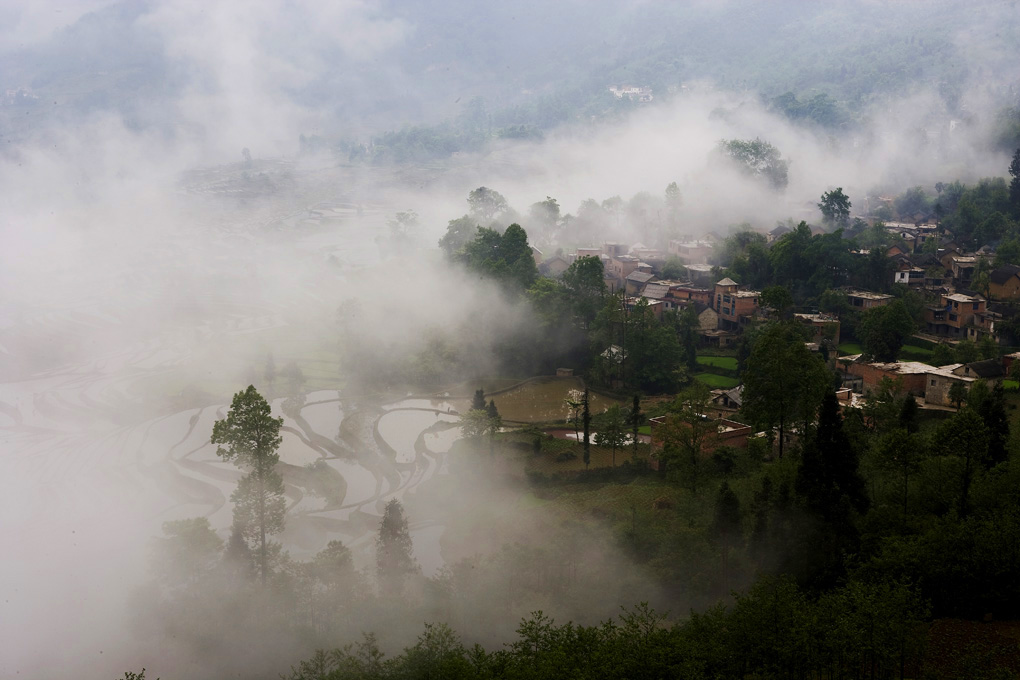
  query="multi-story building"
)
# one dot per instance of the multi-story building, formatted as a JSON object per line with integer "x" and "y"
{"x": 953, "y": 314}
{"x": 733, "y": 305}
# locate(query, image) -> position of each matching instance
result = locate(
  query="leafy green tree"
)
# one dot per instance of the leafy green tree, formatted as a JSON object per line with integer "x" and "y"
{"x": 394, "y": 551}
{"x": 688, "y": 332}
{"x": 783, "y": 380}
{"x": 758, "y": 159}
{"x": 546, "y": 213}
{"x": 485, "y": 204}
{"x": 912, "y": 201}
{"x": 966, "y": 352}
{"x": 459, "y": 233}
{"x": 883, "y": 330}
{"x": 903, "y": 452}
{"x": 611, "y": 429}
{"x": 187, "y": 552}
{"x": 635, "y": 418}
{"x": 957, "y": 393}
{"x": 506, "y": 257}
{"x": 835, "y": 207}
{"x": 777, "y": 298}
{"x": 250, "y": 437}
{"x": 966, "y": 437}
{"x": 687, "y": 435}
{"x": 942, "y": 355}
{"x": 726, "y": 522}
{"x": 585, "y": 283}
{"x": 674, "y": 269}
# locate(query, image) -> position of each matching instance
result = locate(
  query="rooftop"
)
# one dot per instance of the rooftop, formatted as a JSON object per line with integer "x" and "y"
{"x": 640, "y": 277}
{"x": 868, "y": 295}
{"x": 727, "y": 282}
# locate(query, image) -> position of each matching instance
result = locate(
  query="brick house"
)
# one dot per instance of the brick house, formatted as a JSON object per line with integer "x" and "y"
{"x": 733, "y": 305}
{"x": 728, "y": 433}
{"x": 825, "y": 327}
{"x": 953, "y": 314}
{"x": 865, "y": 299}
{"x": 911, "y": 374}
{"x": 1004, "y": 283}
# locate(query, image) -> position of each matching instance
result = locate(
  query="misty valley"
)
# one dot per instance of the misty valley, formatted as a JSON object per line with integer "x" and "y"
{"x": 406, "y": 340}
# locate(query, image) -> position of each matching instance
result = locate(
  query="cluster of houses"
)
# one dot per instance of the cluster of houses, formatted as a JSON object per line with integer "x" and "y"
{"x": 945, "y": 273}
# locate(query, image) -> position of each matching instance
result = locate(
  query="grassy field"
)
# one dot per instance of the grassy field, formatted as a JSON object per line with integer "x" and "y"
{"x": 728, "y": 363}
{"x": 848, "y": 348}
{"x": 716, "y": 381}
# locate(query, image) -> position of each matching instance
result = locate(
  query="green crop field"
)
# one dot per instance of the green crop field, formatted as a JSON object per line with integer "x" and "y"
{"x": 728, "y": 363}
{"x": 714, "y": 380}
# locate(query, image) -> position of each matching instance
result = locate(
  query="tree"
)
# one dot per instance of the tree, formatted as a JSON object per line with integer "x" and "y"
{"x": 270, "y": 371}
{"x": 992, "y": 409}
{"x": 478, "y": 400}
{"x": 965, "y": 436}
{"x": 574, "y": 405}
{"x": 726, "y": 523}
{"x": 902, "y": 451}
{"x": 674, "y": 269}
{"x": 942, "y": 355}
{"x": 546, "y": 213}
{"x": 688, "y": 331}
{"x": 250, "y": 437}
{"x": 830, "y": 483}
{"x": 758, "y": 159}
{"x": 687, "y": 434}
{"x": 485, "y": 204}
{"x": 611, "y": 429}
{"x": 459, "y": 233}
{"x": 883, "y": 330}
{"x": 394, "y": 551}
{"x": 585, "y": 283}
{"x": 957, "y": 393}
{"x": 586, "y": 420}
{"x": 835, "y": 207}
{"x": 778, "y": 299}
{"x": 1014, "y": 184}
{"x": 783, "y": 379}
{"x": 187, "y": 552}
{"x": 506, "y": 257}
{"x": 635, "y": 418}
{"x": 494, "y": 424}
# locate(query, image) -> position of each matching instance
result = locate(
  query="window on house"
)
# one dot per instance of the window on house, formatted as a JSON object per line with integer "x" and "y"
{"x": 933, "y": 382}
{"x": 952, "y": 317}
{"x": 975, "y": 305}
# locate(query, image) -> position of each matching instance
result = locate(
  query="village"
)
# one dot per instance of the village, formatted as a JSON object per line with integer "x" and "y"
{"x": 967, "y": 298}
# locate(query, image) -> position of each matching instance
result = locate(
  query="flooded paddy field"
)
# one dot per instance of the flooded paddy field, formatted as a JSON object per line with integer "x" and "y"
{"x": 542, "y": 400}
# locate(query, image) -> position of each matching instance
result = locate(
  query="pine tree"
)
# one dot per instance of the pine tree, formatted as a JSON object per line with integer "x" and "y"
{"x": 830, "y": 484}
{"x": 726, "y": 524}
{"x": 394, "y": 551}
{"x": 992, "y": 410}
{"x": 478, "y": 402}
{"x": 249, "y": 436}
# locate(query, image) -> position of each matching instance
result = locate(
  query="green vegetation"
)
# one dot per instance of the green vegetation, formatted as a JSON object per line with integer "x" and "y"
{"x": 715, "y": 380}
{"x": 728, "y": 363}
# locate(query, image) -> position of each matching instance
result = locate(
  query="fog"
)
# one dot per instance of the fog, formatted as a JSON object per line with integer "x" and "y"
{"x": 148, "y": 271}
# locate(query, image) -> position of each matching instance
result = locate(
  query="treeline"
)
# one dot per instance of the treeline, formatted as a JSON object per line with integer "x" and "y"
{"x": 772, "y": 631}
